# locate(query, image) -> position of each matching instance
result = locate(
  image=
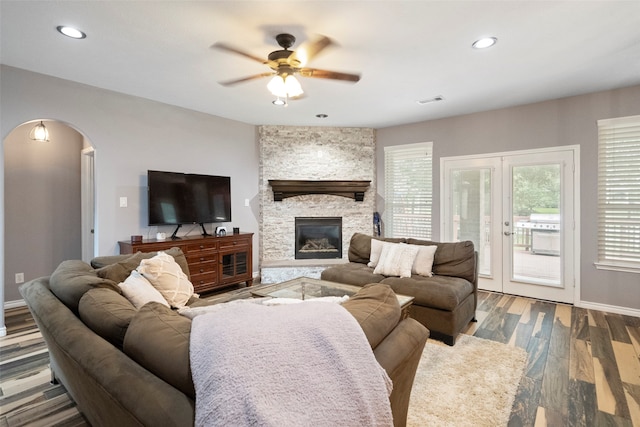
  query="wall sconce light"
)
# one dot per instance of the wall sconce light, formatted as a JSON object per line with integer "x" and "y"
{"x": 39, "y": 133}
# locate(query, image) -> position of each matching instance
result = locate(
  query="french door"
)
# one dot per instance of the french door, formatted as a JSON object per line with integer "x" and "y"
{"x": 519, "y": 211}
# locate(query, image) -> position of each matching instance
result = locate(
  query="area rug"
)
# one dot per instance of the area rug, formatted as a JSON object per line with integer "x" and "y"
{"x": 473, "y": 383}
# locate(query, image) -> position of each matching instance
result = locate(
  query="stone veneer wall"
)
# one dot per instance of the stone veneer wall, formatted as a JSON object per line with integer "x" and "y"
{"x": 313, "y": 153}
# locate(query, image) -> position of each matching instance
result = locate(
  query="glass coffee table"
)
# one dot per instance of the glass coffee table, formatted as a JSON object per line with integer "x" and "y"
{"x": 308, "y": 288}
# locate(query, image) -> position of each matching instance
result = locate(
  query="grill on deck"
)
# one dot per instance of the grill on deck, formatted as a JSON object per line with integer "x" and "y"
{"x": 545, "y": 233}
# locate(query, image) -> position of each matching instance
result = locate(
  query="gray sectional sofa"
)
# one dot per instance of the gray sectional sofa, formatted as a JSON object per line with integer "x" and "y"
{"x": 127, "y": 367}
{"x": 445, "y": 303}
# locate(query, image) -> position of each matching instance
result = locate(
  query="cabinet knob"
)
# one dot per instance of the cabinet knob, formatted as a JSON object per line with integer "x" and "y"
{"x": 201, "y": 246}
{"x": 201, "y": 258}
{"x": 202, "y": 270}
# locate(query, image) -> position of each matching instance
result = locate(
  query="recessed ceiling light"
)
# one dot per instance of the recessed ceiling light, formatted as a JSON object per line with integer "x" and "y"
{"x": 484, "y": 42}
{"x": 321, "y": 116}
{"x": 74, "y": 33}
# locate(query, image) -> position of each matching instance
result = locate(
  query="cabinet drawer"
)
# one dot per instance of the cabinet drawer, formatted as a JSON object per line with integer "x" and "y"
{"x": 203, "y": 257}
{"x": 204, "y": 279}
{"x": 201, "y": 247}
{"x": 203, "y": 267}
{"x": 233, "y": 244}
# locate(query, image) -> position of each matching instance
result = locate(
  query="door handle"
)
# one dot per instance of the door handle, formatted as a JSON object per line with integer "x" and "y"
{"x": 507, "y": 233}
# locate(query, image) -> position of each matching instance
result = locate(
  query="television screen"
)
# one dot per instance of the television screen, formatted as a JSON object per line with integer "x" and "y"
{"x": 178, "y": 198}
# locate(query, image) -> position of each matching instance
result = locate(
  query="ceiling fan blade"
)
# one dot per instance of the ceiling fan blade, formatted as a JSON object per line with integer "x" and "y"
{"x": 245, "y": 79}
{"x": 308, "y": 51}
{"x": 232, "y": 49}
{"x": 324, "y": 74}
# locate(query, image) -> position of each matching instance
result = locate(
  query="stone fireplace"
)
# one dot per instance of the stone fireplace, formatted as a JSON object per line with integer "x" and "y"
{"x": 312, "y": 156}
{"x": 318, "y": 238}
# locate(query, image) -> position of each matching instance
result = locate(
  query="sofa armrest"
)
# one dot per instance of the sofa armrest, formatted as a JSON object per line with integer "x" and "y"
{"x": 109, "y": 387}
{"x": 407, "y": 339}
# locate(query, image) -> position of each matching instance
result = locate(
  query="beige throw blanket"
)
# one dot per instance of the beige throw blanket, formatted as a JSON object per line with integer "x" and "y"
{"x": 291, "y": 365}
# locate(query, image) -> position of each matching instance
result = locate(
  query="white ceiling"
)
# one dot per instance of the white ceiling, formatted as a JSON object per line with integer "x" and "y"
{"x": 405, "y": 51}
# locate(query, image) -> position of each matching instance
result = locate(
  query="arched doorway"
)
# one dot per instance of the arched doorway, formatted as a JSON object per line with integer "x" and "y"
{"x": 43, "y": 199}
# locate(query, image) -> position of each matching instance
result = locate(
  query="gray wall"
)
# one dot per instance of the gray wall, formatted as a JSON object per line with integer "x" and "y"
{"x": 42, "y": 202}
{"x": 567, "y": 121}
{"x": 131, "y": 135}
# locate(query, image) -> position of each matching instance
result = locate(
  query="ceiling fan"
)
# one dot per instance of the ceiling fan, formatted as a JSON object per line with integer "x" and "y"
{"x": 285, "y": 64}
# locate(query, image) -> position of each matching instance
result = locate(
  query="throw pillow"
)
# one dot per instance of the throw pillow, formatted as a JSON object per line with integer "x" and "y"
{"x": 423, "y": 263}
{"x": 376, "y": 251}
{"x": 119, "y": 271}
{"x": 118, "y": 267}
{"x": 167, "y": 277}
{"x": 139, "y": 291}
{"x": 396, "y": 260}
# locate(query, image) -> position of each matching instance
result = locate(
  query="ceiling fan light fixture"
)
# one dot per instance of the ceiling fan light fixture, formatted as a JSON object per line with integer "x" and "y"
{"x": 39, "y": 133}
{"x": 285, "y": 87}
{"x": 293, "y": 86}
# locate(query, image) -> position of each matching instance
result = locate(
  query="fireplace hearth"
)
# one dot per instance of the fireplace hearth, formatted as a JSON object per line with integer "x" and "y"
{"x": 318, "y": 237}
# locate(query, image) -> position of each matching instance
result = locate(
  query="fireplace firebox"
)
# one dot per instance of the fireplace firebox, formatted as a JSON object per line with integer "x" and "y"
{"x": 318, "y": 237}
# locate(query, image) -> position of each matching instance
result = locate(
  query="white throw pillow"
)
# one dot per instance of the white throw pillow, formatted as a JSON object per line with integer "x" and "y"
{"x": 396, "y": 259}
{"x": 166, "y": 276}
{"x": 376, "y": 250}
{"x": 423, "y": 263}
{"x": 139, "y": 291}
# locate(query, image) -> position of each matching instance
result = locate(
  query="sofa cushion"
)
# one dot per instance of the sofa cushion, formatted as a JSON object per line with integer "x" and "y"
{"x": 376, "y": 309}
{"x": 455, "y": 259}
{"x": 423, "y": 264}
{"x": 360, "y": 247}
{"x": 444, "y": 293}
{"x": 158, "y": 339}
{"x": 139, "y": 291}
{"x": 167, "y": 277}
{"x": 396, "y": 259}
{"x": 107, "y": 313}
{"x": 72, "y": 278}
{"x": 352, "y": 273}
{"x": 119, "y": 267}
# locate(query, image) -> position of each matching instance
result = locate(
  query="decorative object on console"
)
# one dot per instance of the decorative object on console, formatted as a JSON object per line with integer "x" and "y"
{"x": 236, "y": 230}
{"x": 136, "y": 238}
{"x": 221, "y": 231}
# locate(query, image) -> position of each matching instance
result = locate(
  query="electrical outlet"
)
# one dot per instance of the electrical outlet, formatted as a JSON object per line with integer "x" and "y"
{"x": 123, "y": 202}
{"x": 246, "y": 202}
{"x": 19, "y": 278}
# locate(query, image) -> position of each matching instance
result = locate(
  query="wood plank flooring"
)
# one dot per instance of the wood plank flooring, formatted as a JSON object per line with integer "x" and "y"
{"x": 583, "y": 366}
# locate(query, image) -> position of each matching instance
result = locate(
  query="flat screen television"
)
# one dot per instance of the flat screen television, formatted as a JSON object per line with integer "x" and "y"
{"x": 181, "y": 198}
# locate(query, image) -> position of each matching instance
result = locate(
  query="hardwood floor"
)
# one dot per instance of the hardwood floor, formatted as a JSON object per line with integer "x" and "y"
{"x": 583, "y": 367}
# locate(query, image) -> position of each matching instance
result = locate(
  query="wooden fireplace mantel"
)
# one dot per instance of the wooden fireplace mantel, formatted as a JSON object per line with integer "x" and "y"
{"x": 290, "y": 188}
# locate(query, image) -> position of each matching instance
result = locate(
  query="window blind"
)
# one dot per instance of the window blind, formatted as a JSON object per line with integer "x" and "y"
{"x": 619, "y": 193}
{"x": 408, "y": 190}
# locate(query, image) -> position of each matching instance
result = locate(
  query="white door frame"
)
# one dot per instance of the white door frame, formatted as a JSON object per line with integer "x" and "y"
{"x": 496, "y": 226}
{"x": 87, "y": 197}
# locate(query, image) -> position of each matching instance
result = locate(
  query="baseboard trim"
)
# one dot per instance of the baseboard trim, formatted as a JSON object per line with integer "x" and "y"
{"x": 14, "y": 304}
{"x": 608, "y": 308}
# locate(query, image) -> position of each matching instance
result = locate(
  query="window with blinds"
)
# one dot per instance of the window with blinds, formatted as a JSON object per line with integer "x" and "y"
{"x": 407, "y": 189}
{"x": 619, "y": 194}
